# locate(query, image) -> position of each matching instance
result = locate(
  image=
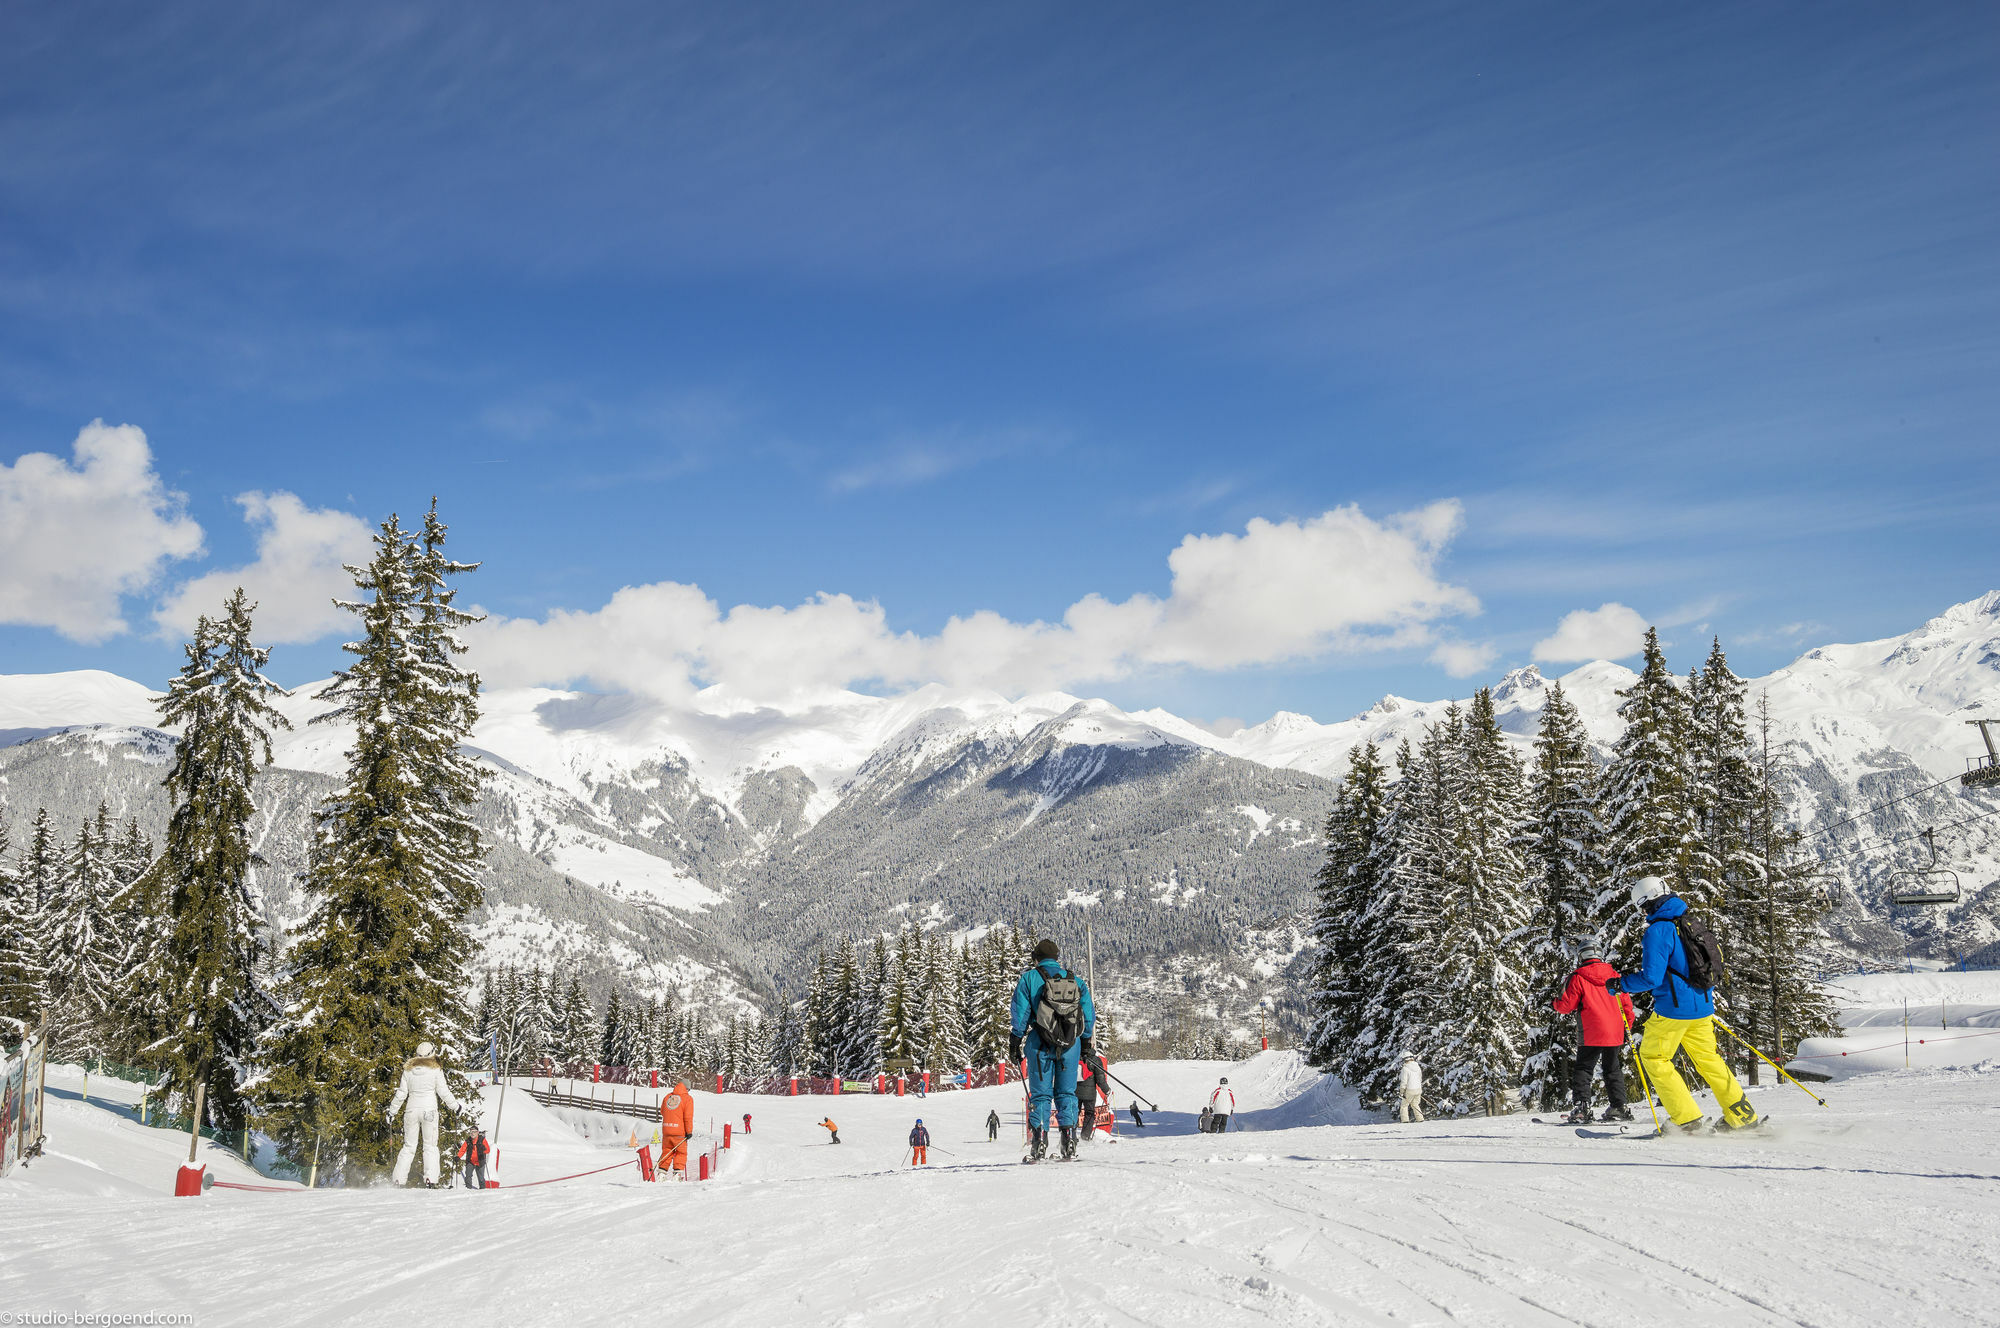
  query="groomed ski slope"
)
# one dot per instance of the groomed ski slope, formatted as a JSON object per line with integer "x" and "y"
{"x": 1883, "y": 1208}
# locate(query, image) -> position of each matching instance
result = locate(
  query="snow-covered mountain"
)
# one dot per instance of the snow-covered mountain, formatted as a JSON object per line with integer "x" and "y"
{"x": 709, "y": 848}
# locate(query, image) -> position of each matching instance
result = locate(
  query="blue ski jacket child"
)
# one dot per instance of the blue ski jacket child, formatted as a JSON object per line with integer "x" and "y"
{"x": 1663, "y": 967}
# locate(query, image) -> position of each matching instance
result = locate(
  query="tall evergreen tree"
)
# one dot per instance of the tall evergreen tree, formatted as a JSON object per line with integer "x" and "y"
{"x": 1775, "y": 913}
{"x": 1480, "y": 961}
{"x": 86, "y": 947}
{"x": 1649, "y": 804}
{"x": 21, "y": 972}
{"x": 202, "y": 975}
{"x": 379, "y": 963}
{"x": 1337, "y": 979}
{"x": 1567, "y": 858}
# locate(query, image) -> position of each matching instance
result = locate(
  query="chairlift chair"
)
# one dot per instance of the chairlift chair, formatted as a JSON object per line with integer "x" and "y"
{"x": 1983, "y": 771}
{"x": 1924, "y": 885}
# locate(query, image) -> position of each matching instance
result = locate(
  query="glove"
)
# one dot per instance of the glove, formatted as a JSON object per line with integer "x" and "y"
{"x": 1089, "y": 1051}
{"x": 1615, "y": 985}
{"x": 1014, "y": 1046}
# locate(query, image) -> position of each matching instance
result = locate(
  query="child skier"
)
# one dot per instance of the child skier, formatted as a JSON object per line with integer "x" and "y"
{"x": 1410, "y": 1081}
{"x": 473, "y": 1151}
{"x": 920, "y": 1144}
{"x": 1683, "y": 1013}
{"x": 992, "y": 1125}
{"x": 418, "y": 1094}
{"x": 832, "y": 1129}
{"x": 1053, "y": 1017}
{"x": 1604, "y": 1017}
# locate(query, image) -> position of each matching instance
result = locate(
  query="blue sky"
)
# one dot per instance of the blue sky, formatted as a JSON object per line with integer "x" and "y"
{"x": 1690, "y": 309}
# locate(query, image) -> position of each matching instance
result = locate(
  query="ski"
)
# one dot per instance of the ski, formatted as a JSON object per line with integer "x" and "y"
{"x": 1582, "y": 1133}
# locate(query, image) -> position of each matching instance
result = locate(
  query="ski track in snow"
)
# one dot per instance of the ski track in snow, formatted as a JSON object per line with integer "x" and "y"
{"x": 1883, "y": 1208}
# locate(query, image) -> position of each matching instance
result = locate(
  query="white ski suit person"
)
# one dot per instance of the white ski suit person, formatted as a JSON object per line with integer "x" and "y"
{"x": 1411, "y": 1081}
{"x": 418, "y": 1095}
{"x": 1221, "y": 1106}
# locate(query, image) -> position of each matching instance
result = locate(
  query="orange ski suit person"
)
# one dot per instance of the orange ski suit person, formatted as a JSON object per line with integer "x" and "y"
{"x": 676, "y": 1124}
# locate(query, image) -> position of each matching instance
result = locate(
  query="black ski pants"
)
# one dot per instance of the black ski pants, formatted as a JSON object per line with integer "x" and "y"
{"x": 1587, "y": 1060}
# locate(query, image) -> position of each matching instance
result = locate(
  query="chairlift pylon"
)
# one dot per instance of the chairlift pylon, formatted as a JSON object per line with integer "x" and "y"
{"x": 1983, "y": 771}
{"x": 1925, "y": 885}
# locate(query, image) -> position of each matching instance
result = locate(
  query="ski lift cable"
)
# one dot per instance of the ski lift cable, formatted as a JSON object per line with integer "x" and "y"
{"x": 1916, "y": 793}
{"x": 1865, "y": 849}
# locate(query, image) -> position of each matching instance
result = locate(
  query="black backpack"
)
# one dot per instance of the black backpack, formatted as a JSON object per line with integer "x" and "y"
{"x": 1059, "y": 1011}
{"x": 1702, "y": 951}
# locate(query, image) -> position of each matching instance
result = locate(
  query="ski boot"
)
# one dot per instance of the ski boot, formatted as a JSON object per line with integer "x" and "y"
{"x": 1697, "y": 1127}
{"x": 1038, "y": 1145}
{"x": 1619, "y": 1114}
{"x": 1581, "y": 1116}
{"x": 1739, "y": 1115}
{"x": 1069, "y": 1143}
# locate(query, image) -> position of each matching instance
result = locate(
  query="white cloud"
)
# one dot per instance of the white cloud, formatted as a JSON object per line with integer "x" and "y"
{"x": 1462, "y": 659}
{"x": 298, "y": 572}
{"x": 1281, "y": 590}
{"x": 1610, "y": 631}
{"x": 75, "y": 536}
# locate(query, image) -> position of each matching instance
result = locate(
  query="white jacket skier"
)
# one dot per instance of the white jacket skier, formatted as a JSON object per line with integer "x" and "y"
{"x": 418, "y": 1094}
{"x": 1221, "y": 1106}
{"x": 1411, "y": 1081}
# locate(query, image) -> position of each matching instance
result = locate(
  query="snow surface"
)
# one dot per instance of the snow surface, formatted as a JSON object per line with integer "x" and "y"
{"x": 1881, "y": 1208}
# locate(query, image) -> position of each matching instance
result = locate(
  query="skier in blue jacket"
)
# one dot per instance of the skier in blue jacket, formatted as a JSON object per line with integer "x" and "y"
{"x": 1683, "y": 1018}
{"x": 1054, "y": 1019}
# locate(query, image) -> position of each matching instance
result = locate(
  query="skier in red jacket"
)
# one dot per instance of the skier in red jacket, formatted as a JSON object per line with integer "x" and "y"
{"x": 1606, "y": 1018}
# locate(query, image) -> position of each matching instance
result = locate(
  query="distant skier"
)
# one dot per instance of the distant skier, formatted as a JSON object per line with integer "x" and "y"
{"x": 676, "y": 1124}
{"x": 1681, "y": 978}
{"x": 418, "y": 1094}
{"x": 746, "y": 1122}
{"x": 1205, "y": 1122}
{"x": 1053, "y": 1021}
{"x": 1221, "y": 1105}
{"x": 1086, "y": 1100}
{"x": 920, "y": 1144}
{"x": 473, "y": 1151}
{"x": 1138, "y": 1121}
{"x": 1410, "y": 1082}
{"x": 1604, "y": 1016}
{"x": 826, "y": 1123}
{"x": 992, "y": 1125}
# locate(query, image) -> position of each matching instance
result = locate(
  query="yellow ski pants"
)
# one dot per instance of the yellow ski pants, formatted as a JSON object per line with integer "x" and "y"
{"x": 1697, "y": 1038}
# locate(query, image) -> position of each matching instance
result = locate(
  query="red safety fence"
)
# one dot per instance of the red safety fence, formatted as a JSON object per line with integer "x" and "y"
{"x": 984, "y": 1076}
{"x": 1891, "y": 1046}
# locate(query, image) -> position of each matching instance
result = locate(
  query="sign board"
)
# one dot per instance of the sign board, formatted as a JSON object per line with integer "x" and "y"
{"x": 21, "y": 1104}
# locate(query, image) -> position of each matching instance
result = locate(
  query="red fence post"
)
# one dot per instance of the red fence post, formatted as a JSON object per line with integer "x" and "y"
{"x": 704, "y": 1166}
{"x": 596, "y": 1073}
{"x": 795, "y": 1085}
{"x": 645, "y": 1162}
{"x": 718, "y": 1083}
{"x": 656, "y": 1079}
{"x": 1003, "y": 1072}
{"x": 725, "y": 1134}
{"x": 899, "y": 1085}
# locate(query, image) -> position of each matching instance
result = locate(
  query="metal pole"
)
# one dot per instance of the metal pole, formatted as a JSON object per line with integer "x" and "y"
{"x": 1906, "y": 1032}
{"x": 194, "y": 1124}
{"x": 1090, "y": 953}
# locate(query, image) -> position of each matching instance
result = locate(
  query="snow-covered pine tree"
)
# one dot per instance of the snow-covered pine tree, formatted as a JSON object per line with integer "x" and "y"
{"x": 944, "y": 1021}
{"x": 578, "y": 1023}
{"x": 1398, "y": 925}
{"x": 1478, "y": 953}
{"x": 86, "y": 947}
{"x": 1648, "y": 803}
{"x": 200, "y": 974}
{"x": 379, "y": 963}
{"x": 1336, "y": 982}
{"x": 869, "y": 994}
{"x": 21, "y": 972}
{"x": 1566, "y": 852}
{"x": 1721, "y": 785}
{"x": 897, "y": 1024}
{"x": 1774, "y": 923}
{"x": 617, "y": 1037}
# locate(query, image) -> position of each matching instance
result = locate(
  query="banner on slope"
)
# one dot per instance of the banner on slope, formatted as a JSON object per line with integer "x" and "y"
{"x": 21, "y": 1081}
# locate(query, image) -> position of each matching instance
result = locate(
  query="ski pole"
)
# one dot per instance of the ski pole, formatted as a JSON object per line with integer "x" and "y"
{"x": 1645, "y": 1086}
{"x": 1150, "y": 1106}
{"x": 1773, "y": 1064}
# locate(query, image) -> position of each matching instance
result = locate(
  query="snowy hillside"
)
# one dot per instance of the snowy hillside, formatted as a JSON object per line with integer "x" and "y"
{"x": 711, "y": 846}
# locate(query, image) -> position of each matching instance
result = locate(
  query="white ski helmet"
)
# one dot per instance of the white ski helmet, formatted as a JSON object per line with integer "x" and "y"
{"x": 426, "y": 1049}
{"x": 1648, "y": 888}
{"x": 1409, "y": 1055}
